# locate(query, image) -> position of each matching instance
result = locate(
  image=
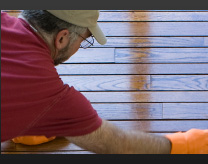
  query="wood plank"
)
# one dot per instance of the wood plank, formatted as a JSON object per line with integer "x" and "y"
{"x": 164, "y": 126}
{"x": 108, "y": 83}
{"x": 7, "y": 146}
{"x": 153, "y": 16}
{"x": 150, "y": 111}
{"x": 93, "y": 55}
{"x": 161, "y": 55}
{"x": 59, "y": 144}
{"x": 179, "y": 82}
{"x": 136, "y": 69}
{"x": 137, "y": 82}
{"x": 155, "y": 42}
{"x": 154, "y": 97}
{"x": 129, "y": 111}
{"x": 185, "y": 111}
{"x": 140, "y": 15}
{"x": 154, "y": 28}
{"x": 206, "y": 41}
{"x": 140, "y": 55}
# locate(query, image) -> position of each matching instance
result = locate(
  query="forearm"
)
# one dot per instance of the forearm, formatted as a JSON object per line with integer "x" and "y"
{"x": 109, "y": 139}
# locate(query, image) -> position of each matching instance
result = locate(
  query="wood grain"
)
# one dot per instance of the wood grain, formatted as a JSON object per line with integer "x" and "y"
{"x": 137, "y": 82}
{"x": 153, "y": 16}
{"x": 161, "y": 55}
{"x": 133, "y": 69}
{"x": 129, "y": 111}
{"x": 185, "y": 111}
{"x": 155, "y": 42}
{"x": 151, "y": 111}
{"x": 154, "y": 28}
{"x": 108, "y": 83}
{"x": 206, "y": 41}
{"x": 138, "y": 15}
{"x": 140, "y": 55}
{"x": 164, "y": 126}
{"x": 93, "y": 55}
{"x": 136, "y": 97}
{"x": 179, "y": 82}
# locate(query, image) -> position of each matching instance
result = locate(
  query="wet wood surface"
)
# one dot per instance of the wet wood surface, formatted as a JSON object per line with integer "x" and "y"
{"x": 152, "y": 75}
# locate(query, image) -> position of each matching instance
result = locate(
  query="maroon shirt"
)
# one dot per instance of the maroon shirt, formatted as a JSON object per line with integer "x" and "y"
{"x": 34, "y": 100}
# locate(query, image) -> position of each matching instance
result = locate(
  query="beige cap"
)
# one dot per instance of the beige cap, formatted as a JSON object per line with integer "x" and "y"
{"x": 83, "y": 18}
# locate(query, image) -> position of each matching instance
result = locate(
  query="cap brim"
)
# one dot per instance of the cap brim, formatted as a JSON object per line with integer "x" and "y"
{"x": 98, "y": 34}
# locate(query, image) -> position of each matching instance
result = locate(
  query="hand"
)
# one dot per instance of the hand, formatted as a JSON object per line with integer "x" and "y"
{"x": 194, "y": 141}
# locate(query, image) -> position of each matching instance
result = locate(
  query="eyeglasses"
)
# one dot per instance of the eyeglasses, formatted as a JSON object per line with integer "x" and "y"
{"x": 88, "y": 42}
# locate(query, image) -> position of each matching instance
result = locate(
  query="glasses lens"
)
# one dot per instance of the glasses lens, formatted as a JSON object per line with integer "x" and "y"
{"x": 87, "y": 42}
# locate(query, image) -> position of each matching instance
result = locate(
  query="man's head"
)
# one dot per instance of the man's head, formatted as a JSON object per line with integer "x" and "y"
{"x": 65, "y": 30}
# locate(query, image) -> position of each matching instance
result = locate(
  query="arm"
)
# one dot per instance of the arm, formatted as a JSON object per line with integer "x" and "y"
{"x": 109, "y": 139}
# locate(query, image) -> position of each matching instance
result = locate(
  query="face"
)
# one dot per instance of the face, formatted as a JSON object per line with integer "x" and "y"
{"x": 70, "y": 49}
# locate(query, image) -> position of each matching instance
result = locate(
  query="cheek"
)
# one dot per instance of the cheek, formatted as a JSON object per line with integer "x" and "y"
{"x": 72, "y": 50}
{"x": 75, "y": 48}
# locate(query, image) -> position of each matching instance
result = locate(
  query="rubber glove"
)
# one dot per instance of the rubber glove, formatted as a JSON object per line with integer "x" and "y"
{"x": 194, "y": 141}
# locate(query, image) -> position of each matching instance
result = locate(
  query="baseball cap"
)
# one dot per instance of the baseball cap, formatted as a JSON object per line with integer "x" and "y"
{"x": 83, "y": 18}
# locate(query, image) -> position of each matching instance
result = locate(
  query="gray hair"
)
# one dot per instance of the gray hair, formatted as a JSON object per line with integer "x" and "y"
{"x": 47, "y": 23}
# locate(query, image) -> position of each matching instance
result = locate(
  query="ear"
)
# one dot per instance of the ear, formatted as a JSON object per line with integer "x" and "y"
{"x": 62, "y": 39}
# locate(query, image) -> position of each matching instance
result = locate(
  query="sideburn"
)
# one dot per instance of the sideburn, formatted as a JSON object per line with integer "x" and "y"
{"x": 62, "y": 55}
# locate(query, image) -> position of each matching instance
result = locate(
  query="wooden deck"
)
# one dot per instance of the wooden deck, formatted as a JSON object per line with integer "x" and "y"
{"x": 152, "y": 75}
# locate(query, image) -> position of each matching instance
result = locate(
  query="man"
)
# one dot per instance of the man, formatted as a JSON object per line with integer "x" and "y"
{"x": 36, "y": 104}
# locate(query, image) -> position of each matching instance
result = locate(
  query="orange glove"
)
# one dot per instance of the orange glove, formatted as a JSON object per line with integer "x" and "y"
{"x": 194, "y": 141}
{"x": 32, "y": 140}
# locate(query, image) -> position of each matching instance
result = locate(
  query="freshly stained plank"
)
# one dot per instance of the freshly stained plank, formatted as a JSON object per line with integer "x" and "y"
{"x": 93, "y": 55}
{"x": 137, "y": 82}
{"x": 153, "y": 16}
{"x": 133, "y": 97}
{"x": 185, "y": 111}
{"x": 123, "y": 69}
{"x": 161, "y": 55}
{"x": 164, "y": 126}
{"x": 130, "y": 111}
{"x": 154, "y": 42}
{"x": 179, "y": 82}
{"x": 108, "y": 83}
{"x": 154, "y": 28}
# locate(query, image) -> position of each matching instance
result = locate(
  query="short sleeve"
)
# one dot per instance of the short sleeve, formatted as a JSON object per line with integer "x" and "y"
{"x": 73, "y": 115}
